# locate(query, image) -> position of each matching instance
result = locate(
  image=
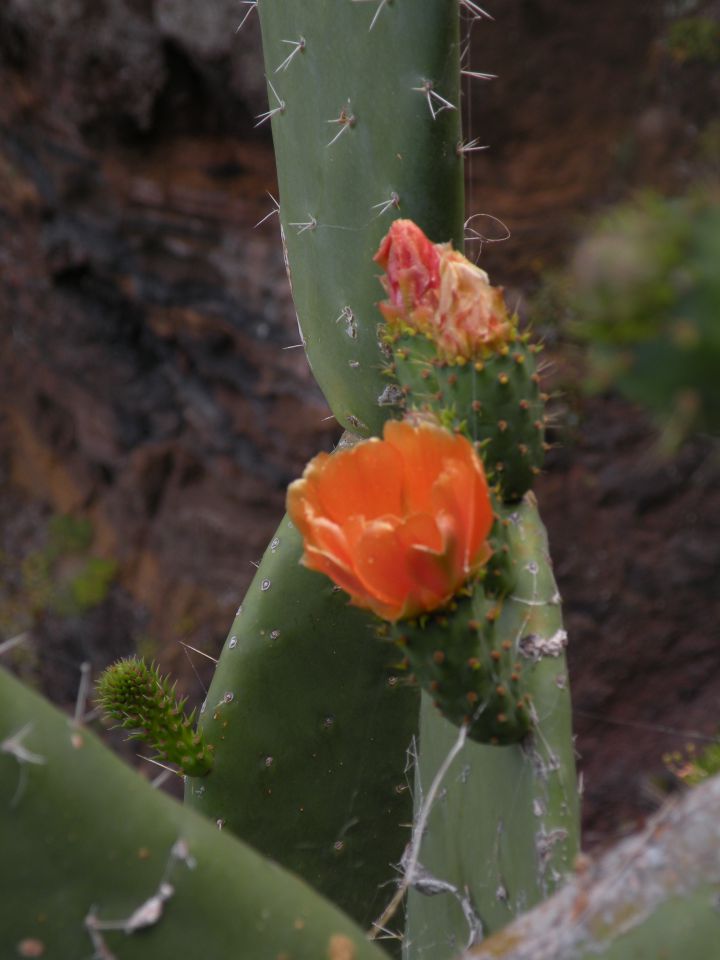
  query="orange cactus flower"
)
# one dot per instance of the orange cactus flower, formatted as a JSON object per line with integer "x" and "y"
{"x": 437, "y": 291}
{"x": 400, "y": 523}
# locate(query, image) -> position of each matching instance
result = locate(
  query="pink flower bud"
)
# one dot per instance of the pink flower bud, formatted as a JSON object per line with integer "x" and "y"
{"x": 412, "y": 266}
{"x": 435, "y": 290}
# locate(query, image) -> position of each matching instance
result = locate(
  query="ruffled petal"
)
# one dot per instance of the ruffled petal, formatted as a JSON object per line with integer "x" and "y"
{"x": 380, "y": 565}
{"x": 460, "y": 497}
{"x": 423, "y": 449}
{"x": 313, "y": 559}
{"x": 365, "y": 480}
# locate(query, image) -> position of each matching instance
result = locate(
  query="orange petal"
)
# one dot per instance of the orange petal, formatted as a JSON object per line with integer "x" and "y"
{"x": 365, "y": 480}
{"x": 461, "y": 494}
{"x": 380, "y": 564}
{"x": 408, "y": 578}
{"x": 313, "y": 559}
{"x": 423, "y": 449}
{"x": 328, "y": 538}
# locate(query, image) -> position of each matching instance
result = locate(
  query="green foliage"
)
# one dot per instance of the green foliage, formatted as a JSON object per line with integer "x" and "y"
{"x": 694, "y": 39}
{"x": 643, "y": 292}
{"x": 143, "y": 701}
{"x": 86, "y": 588}
{"x": 694, "y": 766}
{"x": 61, "y": 577}
{"x": 68, "y": 534}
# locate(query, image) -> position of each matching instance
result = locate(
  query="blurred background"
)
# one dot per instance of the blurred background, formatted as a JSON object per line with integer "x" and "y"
{"x": 153, "y": 407}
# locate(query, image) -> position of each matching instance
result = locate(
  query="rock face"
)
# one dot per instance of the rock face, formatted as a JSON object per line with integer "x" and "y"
{"x": 144, "y": 380}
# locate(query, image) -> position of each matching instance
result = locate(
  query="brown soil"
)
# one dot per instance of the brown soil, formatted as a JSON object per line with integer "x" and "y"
{"x": 143, "y": 382}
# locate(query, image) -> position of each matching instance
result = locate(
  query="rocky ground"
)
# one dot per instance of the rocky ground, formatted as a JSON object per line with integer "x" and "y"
{"x": 145, "y": 387}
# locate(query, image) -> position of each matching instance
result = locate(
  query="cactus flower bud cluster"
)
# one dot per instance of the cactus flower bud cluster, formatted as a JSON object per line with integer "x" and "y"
{"x": 435, "y": 290}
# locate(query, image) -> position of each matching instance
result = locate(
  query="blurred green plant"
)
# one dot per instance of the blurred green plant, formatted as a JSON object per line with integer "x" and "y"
{"x": 694, "y": 39}
{"x": 643, "y": 293}
{"x": 694, "y": 766}
{"x": 60, "y": 577}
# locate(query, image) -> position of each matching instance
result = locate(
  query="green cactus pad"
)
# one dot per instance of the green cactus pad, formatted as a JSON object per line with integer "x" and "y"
{"x": 464, "y": 658}
{"x": 311, "y": 724}
{"x": 97, "y": 863}
{"x": 505, "y": 831}
{"x": 366, "y": 125}
{"x": 496, "y": 401}
{"x": 652, "y": 896}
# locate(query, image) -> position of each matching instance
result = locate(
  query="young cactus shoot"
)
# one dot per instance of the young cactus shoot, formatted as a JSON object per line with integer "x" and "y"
{"x": 143, "y": 701}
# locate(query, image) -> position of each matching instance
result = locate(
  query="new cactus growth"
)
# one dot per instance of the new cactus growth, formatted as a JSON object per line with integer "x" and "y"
{"x": 145, "y": 703}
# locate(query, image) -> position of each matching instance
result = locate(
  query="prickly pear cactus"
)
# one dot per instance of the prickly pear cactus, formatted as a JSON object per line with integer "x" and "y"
{"x": 99, "y": 864}
{"x": 653, "y": 895}
{"x": 504, "y": 833}
{"x": 459, "y": 355}
{"x": 364, "y": 100}
{"x": 496, "y": 400}
{"x": 311, "y": 723}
